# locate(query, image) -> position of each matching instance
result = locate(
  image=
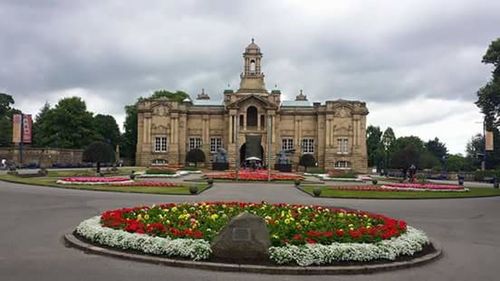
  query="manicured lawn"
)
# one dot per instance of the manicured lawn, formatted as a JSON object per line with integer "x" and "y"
{"x": 474, "y": 192}
{"x": 51, "y": 182}
{"x": 91, "y": 172}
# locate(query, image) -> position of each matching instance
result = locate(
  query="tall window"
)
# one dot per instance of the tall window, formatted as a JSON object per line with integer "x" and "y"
{"x": 215, "y": 144}
{"x": 194, "y": 142}
{"x": 342, "y": 146}
{"x": 160, "y": 144}
{"x": 262, "y": 120}
{"x": 251, "y": 116}
{"x": 286, "y": 143}
{"x": 252, "y": 66}
{"x": 308, "y": 145}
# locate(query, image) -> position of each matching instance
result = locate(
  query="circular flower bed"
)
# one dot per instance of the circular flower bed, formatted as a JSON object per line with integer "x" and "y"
{"x": 258, "y": 175}
{"x": 299, "y": 234}
{"x": 93, "y": 180}
{"x": 423, "y": 187}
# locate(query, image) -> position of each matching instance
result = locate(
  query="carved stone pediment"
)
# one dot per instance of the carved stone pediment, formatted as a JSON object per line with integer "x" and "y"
{"x": 252, "y": 99}
{"x": 342, "y": 112}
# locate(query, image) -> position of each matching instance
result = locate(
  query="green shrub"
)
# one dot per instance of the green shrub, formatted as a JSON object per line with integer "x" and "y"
{"x": 481, "y": 175}
{"x": 193, "y": 189}
{"x": 190, "y": 168}
{"x": 317, "y": 191}
{"x": 316, "y": 170}
{"x": 158, "y": 171}
{"x": 342, "y": 174}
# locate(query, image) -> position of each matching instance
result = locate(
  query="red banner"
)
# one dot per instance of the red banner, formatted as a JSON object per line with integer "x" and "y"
{"x": 27, "y": 128}
{"x": 24, "y": 129}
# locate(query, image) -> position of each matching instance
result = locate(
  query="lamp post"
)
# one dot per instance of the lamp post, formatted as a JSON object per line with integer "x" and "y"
{"x": 236, "y": 132}
{"x": 483, "y": 162}
{"x": 269, "y": 132}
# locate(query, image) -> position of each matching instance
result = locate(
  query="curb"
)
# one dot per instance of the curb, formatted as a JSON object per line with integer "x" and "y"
{"x": 72, "y": 241}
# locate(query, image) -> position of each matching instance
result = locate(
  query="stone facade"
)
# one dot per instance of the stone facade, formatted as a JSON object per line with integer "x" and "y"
{"x": 333, "y": 131}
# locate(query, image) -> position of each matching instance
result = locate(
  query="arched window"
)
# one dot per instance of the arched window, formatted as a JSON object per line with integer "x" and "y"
{"x": 252, "y": 66}
{"x": 252, "y": 116}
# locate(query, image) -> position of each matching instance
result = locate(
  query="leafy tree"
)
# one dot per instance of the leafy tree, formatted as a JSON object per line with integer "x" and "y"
{"x": 457, "y": 162}
{"x": 195, "y": 156}
{"x": 39, "y": 126}
{"x": 388, "y": 140}
{"x": 106, "y": 128}
{"x": 307, "y": 160}
{"x": 129, "y": 137}
{"x": 99, "y": 152}
{"x": 6, "y": 112}
{"x": 374, "y": 146}
{"x": 67, "y": 125}
{"x": 489, "y": 95}
{"x": 437, "y": 148}
{"x": 406, "y": 151}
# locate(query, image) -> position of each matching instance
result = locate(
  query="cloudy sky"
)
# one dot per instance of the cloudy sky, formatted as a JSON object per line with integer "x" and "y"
{"x": 417, "y": 64}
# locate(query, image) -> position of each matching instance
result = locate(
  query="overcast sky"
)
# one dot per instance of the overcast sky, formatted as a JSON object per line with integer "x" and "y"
{"x": 417, "y": 64}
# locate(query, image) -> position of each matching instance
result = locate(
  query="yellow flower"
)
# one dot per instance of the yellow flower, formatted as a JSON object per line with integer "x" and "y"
{"x": 287, "y": 221}
{"x": 214, "y": 216}
{"x": 174, "y": 209}
{"x": 146, "y": 217}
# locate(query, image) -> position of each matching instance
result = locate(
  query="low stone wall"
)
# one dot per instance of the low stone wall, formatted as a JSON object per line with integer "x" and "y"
{"x": 44, "y": 157}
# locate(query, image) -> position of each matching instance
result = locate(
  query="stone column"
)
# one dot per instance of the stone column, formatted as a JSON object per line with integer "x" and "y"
{"x": 231, "y": 118}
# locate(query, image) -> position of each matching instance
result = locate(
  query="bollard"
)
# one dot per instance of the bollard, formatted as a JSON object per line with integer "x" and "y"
{"x": 461, "y": 180}
{"x": 495, "y": 182}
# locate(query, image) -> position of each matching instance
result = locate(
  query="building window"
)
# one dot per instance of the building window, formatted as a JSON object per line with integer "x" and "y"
{"x": 251, "y": 116}
{"x": 194, "y": 143}
{"x": 215, "y": 144}
{"x": 159, "y": 162}
{"x": 343, "y": 164}
{"x": 342, "y": 146}
{"x": 286, "y": 143}
{"x": 160, "y": 144}
{"x": 262, "y": 121}
{"x": 242, "y": 120}
{"x": 307, "y": 145}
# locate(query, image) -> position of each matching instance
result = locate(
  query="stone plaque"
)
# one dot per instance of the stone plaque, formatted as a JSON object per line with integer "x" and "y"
{"x": 241, "y": 234}
{"x": 244, "y": 239}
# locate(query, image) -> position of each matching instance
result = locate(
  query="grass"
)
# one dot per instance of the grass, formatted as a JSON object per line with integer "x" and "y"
{"x": 51, "y": 182}
{"x": 332, "y": 193}
{"x": 91, "y": 172}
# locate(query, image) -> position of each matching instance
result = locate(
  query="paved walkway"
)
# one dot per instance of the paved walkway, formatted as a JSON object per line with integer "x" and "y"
{"x": 33, "y": 220}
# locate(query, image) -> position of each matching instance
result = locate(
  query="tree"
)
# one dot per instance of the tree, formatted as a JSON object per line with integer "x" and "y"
{"x": 39, "y": 126}
{"x": 457, "y": 162}
{"x": 67, "y": 125}
{"x": 195, "y": 156}
{"x": 129, "y": 137}
{"x": 388, "y": 140}
{"x": 99, "y": 152}
{"x": 374, "y": 146}
{"x": 6, "y": 113}
{"x": 406, "y": 151}
{"x": 307, "y": 160}
{"x": 489, "y": 95}
{"x": 106, "y": 129}
{"x": 437, "y": 148}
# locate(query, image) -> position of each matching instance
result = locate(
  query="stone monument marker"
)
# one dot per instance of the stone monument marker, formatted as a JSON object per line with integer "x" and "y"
{"x": 244, "y": 239}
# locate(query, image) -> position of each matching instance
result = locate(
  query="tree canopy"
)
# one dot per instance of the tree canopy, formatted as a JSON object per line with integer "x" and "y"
{"x": 107, "y": 129}
{"x": 6, "y": 112}
{"x": 99, "y": 152}
{"x": 489, "y": 95}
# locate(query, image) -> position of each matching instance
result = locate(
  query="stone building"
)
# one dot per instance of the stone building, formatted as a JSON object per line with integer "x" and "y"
{"x": 334, "y": 131}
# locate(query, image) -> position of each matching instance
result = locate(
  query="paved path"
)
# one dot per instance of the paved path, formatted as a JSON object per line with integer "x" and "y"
{"x": 33, "y": 219}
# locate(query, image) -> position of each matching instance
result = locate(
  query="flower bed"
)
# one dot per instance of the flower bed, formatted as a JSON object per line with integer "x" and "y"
{"x": 258, "y": 175}
{"x": 94, "y": 180}
{"x": 147, "y": 184}
{"x": 299, "y": 234}
{"x": 169, "y": 175}
{"x": 423, "y": 187}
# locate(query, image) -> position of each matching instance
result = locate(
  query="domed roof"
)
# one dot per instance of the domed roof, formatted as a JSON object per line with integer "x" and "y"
{"x": 252, "y": 47}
